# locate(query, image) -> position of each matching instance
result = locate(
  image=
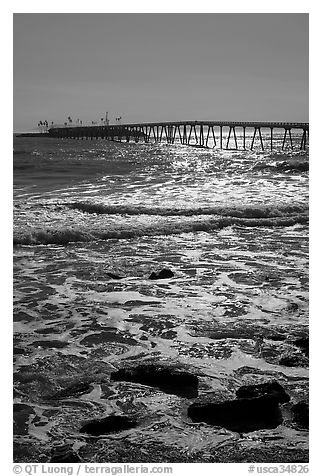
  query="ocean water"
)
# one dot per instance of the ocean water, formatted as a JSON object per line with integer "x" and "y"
{"x": 232, "y": 225}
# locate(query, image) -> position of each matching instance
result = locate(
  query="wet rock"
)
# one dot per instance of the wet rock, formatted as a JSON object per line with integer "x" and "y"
{"x": 169, "y": 335}
{"x": 49, "y": 344}
{"x": 293, "y": 360}
{"x": 114, "y": 276}
{"x": 64, "y": 454}
{"x": 276, "y": 337}
{"x": 273, "y": 389}
{"x": 163, "y": 274}
{"x": 301, "y": 413}
{"x": 22, "y": 316}
{"x": 73, "y": 390}
{"x": 242, "y": 415}
{"x": 21, "y": 417}
{"x": 18, "y": 351}
{"x": 107, "y": 336}
{"x": 48, "y": 330}
{"x": 303, "y": 344}
{"x": 168, "y": 379}
{"x": 292, "y": 307}
{"x": 110, "y": 424}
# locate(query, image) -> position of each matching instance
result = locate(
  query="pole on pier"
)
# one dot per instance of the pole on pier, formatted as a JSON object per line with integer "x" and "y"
{"x": 244, "y": 138}
{"x": 271, "y": 138}
{"x": 221, "y": 137}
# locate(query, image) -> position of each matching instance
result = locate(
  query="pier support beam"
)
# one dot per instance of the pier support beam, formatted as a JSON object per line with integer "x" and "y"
{"x": 284, "y": 139}
{"x": 260, "y": 136}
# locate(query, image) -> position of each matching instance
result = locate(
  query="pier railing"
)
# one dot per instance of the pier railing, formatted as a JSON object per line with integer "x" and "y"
{"x": 194, "y": 133}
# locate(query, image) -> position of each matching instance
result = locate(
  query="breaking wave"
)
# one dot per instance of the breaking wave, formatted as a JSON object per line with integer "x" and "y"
{"x": 65, "y": 235}
{"x": 284, "y": 166}
{"x": 246, "y": 212}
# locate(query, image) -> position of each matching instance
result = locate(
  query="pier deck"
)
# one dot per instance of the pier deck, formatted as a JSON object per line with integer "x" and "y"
{"x": 191, "y": 133}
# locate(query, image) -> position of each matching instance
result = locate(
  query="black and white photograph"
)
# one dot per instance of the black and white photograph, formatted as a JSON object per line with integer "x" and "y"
{"x": 160, "y": 240}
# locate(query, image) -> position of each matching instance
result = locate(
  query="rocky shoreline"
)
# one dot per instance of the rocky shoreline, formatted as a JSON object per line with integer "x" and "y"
{"x": 87, "y": 410}
{"x": 265, "y": 405}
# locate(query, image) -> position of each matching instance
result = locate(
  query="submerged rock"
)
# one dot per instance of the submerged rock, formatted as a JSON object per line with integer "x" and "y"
{"x": 301, "y": 413}
{"x": 107, "y": 336}
{"x": 242, "y": 415}
{"x": 170, "y": 380}
{"x": 110, "y": 424}
{"x": 292, "y": 307}
{"x": 163, "y": 274}
{"x": 64, "y": 454}
{"x": 273, "y": 389}
{"x": 293, "y": 360}
{"x": 72, "y": 390}
{"x": 22, "y": 414}
{"x": 303, "y": 344}
{"x": 50, "y": 344}
{"x": 114, "y": 276}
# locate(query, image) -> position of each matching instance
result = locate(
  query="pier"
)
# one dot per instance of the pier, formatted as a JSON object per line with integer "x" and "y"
{"x": 195, "y": 133}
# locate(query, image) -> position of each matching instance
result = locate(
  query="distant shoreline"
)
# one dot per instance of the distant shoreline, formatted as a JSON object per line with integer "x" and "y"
{"x": 32, "y": 134}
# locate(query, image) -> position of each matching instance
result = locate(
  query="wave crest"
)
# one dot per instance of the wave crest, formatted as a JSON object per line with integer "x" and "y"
{"x": 260, "y": 211}
{"x": 63, "y": 236}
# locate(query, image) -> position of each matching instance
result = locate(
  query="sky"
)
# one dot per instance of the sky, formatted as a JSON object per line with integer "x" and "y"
{"x": 160, "y": 67}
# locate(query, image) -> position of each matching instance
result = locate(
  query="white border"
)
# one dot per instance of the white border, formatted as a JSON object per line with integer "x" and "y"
{"x": 164, "y": 6}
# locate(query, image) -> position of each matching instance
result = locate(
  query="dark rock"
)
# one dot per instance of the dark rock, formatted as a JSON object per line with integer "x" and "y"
{"x": 64, "y": 454}
{"x": 301, "y": 413}
{"x": 21, "y": 417}
{"x": 242, "y": 415}
{"x": 273, "y": 389}
{"x": 48, "y": 330}
{"x": 293, "y": 360}
{"x": 163, "y": 274}
{"x": 18, "y": 351}
{"x": 292, "y": 307}
{"x": 49, "y": 344}
{"x": 276, "y": 337}
{"x": 107, "y": 336}
{"x": 303, "y": 344}
{"x": 170, "y": 380}
{"x": 169, "y": 335}
{"x": 110, "y": 424}
{"x": 71, "y": 391}
{"x": 114, "y": 276}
